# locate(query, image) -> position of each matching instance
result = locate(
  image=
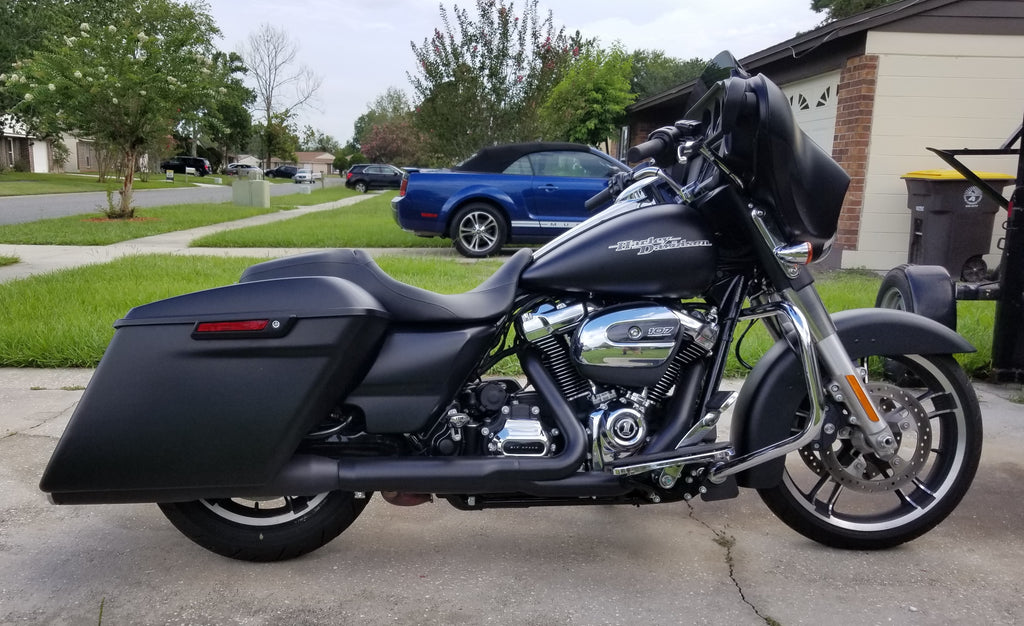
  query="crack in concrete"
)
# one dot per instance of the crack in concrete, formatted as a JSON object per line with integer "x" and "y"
{"x": 728, "y": 542}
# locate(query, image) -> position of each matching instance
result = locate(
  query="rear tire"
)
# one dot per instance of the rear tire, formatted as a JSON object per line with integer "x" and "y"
{"x": 361, "y": 187}
{"x": 845, "y": 497}
{"x": 478, "y": 230}
{"x": 265, "y": 530}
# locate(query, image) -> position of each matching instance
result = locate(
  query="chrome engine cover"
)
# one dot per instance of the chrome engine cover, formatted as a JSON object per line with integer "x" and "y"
{"x": 634, "y": 344}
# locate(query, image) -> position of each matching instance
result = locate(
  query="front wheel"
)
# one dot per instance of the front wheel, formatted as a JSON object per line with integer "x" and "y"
{"x": 843, "y": 496}
{"x": 478, "y": 230}
{"x": 272, "y": 529}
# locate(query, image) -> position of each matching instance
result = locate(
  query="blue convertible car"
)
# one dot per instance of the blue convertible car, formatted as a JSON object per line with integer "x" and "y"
{"x": 514, "y": 193}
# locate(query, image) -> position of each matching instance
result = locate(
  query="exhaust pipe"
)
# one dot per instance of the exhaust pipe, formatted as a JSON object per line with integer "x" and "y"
{"x": 313, "y": 474}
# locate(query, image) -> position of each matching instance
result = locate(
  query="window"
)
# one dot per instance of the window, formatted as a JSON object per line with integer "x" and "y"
{"x": 574, "y": 164}
{"x": 521, "y": 167}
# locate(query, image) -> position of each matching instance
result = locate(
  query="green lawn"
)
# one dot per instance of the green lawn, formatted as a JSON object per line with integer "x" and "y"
{"x": 28, "y": 184}
{"x": 368, "y": 224}
{"x": 64, "y": 319}
{"x": 95, "y": 230}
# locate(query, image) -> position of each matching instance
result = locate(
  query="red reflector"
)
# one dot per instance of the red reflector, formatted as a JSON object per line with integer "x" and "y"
{"x": 232, "y": 327}
{"x": 405, "y": 185}
{"x": 430, "y": 215}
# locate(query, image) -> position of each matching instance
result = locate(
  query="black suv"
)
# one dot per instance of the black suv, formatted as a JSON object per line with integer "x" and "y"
{"x": 366, "y": 176}
{"x": 179, "y": 163}
{"x": 281, "y": 171}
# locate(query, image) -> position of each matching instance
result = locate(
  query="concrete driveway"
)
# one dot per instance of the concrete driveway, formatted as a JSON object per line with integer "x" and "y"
{"x": 715, "y": 563}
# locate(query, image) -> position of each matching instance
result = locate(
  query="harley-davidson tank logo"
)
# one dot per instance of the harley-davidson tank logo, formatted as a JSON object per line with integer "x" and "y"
{"x": 658, "y": 244}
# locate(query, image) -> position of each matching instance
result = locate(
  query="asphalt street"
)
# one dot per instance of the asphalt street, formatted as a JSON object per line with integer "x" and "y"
{"x": 18, "y": 209}
{"x": 725, "y": 562}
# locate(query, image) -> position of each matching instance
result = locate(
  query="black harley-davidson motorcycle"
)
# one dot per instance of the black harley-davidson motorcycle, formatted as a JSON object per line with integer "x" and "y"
{"x": 261, "y": 416}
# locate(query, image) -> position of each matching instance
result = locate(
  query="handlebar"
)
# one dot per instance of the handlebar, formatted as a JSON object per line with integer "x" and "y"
{"x": 656, "y": 146}
{"x": 603, "y": 196}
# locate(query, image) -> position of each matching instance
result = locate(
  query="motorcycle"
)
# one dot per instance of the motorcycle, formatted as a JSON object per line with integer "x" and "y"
{"x": 262, "y": 416}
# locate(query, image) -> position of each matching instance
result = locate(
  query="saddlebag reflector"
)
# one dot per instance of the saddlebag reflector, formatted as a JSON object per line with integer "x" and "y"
{"x": 166, "y": 417}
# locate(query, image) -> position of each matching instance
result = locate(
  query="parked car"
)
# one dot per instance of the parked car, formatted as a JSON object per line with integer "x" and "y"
{"x": 306, "y": 176}
{"x": 514, "y": 193}
{"x": 281, "y": 171}
{"x": 366, "y": 176}
{"x": 234, "y": 169}
{"x": 179, "y": 163}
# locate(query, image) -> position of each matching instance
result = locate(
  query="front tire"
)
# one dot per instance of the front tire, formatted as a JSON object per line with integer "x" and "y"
{"x": 845, "y": 497}
{"x": 478, "y": 230}
{"x": 265, "y": 530}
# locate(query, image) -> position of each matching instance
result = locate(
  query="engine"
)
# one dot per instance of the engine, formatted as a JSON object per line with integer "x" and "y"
{"x": 615, "y": 365}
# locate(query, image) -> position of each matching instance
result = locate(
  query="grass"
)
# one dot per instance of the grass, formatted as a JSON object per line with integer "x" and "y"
{"x": 318, "y": 195}
{"x": 64, "y": 319}
{"x": 368, "y": 224}
{"x": 9, "y": 260}
{"x": 95, "y": 230}
{"x": 29, "y": 184}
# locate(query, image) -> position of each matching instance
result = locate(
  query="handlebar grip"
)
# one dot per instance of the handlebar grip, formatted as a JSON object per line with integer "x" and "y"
{"x": 603, "y": 196}
{"x": 650, "y": 148}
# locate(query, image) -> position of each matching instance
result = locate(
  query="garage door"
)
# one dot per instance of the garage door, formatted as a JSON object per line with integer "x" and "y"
{"x": 814, "y": 106}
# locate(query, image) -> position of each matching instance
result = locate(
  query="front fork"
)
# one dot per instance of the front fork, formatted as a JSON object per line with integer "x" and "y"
{"x": 807, "y": 325}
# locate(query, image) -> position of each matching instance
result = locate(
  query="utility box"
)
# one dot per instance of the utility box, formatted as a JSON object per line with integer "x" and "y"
{"x": 251, "y": 190}
{"x": 951, "y": 221}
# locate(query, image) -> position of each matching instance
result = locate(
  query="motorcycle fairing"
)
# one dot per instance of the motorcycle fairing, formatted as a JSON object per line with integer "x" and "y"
{"x": 775, "y": 388}
{"x": 172, "y": 414}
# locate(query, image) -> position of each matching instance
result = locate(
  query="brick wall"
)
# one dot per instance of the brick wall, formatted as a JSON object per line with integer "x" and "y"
{"x": 855, "y": 108}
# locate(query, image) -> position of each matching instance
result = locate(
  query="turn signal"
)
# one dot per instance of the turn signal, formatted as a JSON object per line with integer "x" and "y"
{"x": 799, "y": 254}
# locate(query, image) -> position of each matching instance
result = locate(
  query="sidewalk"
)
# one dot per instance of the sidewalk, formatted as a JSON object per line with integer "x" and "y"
{"x": 43, "y": 259}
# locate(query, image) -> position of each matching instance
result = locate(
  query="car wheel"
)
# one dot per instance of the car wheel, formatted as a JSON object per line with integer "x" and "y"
{"x": 478, "y": 230}
{"x": 361, "y": 187}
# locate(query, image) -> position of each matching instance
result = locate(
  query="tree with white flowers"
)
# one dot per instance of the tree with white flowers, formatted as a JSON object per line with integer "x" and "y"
{"x": 125, "y": 77}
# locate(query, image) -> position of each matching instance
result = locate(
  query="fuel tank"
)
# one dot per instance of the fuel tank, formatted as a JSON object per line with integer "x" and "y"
{"x": 631, "y": 250}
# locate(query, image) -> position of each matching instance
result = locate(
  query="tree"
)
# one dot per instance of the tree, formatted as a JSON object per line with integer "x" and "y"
{"x": 394, "y": 141}
{"x": 840, "y": 9}
{"x": 277, "y": 138}
{"x": 315, "y": 140}
{"x": 392, "y": 105}
{"x": 482, "y": 79}
{"x": 589, "y": 104}
{"x": 227, "y": 122}
{"x": 125, "y": 81}
{"x": 655, "y": 72}
{"x": 282, "y": 87}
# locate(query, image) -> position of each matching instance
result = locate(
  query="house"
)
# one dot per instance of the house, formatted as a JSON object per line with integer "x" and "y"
{"x": 19, "y": 149}
{"x": 876, "y": 90}
{"x": 322, "y": 162}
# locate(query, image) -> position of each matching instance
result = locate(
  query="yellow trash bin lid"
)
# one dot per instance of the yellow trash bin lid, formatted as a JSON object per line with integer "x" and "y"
{"x": 952, "y": 175}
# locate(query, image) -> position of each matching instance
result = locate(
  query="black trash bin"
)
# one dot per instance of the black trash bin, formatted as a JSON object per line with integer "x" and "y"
{"x": 951, "y": 221}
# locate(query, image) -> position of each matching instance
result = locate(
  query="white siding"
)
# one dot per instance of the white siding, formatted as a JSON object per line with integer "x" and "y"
{"x": 940, "y": 91}
{"x": 814, "y": 106}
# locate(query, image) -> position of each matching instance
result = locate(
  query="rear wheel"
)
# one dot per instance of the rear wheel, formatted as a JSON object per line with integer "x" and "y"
{"x": 478, "y": 230}
{"x": 272, "y": 529}
{"x": 844, "y": 496}
{"x": 361, "y": 187}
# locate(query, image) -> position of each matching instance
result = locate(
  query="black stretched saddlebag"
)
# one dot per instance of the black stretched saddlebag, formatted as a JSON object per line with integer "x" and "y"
{"x": 205, "y": 394}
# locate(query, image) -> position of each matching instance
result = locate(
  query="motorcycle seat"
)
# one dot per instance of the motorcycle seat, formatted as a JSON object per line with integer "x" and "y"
{"x": 405, "y": 303}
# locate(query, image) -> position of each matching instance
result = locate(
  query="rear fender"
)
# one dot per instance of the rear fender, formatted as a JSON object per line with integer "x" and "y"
{"x": 477, "y": 193}
{"x": 775, "y": 388}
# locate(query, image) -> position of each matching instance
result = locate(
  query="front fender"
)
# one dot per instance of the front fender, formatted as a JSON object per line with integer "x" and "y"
{"x": 775, "y": 388}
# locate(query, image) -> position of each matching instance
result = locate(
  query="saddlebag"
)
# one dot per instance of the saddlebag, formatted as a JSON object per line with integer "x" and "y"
{"x": 205, "y": 394}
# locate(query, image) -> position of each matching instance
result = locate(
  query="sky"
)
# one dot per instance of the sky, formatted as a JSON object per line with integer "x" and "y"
{"x": 361, "y": 48}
